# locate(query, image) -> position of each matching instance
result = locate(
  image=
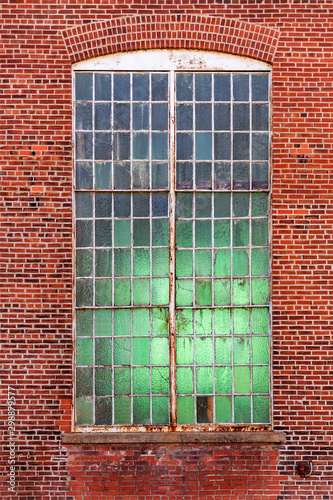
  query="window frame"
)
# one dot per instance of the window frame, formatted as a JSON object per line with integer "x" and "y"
{"x": 172, "y": 61}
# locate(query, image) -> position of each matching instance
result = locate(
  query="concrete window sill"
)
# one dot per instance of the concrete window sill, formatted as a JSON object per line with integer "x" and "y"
{"x": 235, "y": 437}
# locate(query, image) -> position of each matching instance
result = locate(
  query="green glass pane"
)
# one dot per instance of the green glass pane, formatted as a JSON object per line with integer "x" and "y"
{"x": 242, "y": 379}
{"x": 160, "y": 232}
{"x": 103, "y": 263}
{"x": 185, "y": 410}
{"x": 141, "y": 322}
{"x": 141, "y": 380}
{"x": 260, "y": 375}
{"x": 122, "y": 381}
{"x": 160, "y": 410}
{"x": 103, "y": 354}
{"x": 122, "y": 351}
{"x": 141, "y": 236}
{"x": 240, "y": 204}
{"x": 84, "y": 411}
{"x": 103, "y": 381}
{"x": 221, "y": 205}
{"x": 141, "y": 410}
{"x": 260, "y": 321}
{"x": 261, "y": 407}
{"x": 141, "y": 291}
{"x": 203, "y": 263}
{"x": 223, "y": 379}
{"x": 103, "y": 236}
{"x": 160, "y": 291}
{"x": 204, "y": 380}
{"x": 103, "y": 175}
{"x": 259, "y": 204}
{"x": 84, "y": 352}
{"x": 84, "y": 323}
{"x": 141, "y": 354}
{"x": 222, "y": 233}
{"x": 241, "y": 292}
{"x": 103, "y": 411}
{"x": 241, "y": 320}
{"x": 122, "y": 262}
{"x": 184, "y": 350}
{"x": 259, "y": 232}
{"x": 184, "y": 293}
{"x": 203, "y": 233}
{"x": 260, "y": 261}
{"x": 222, "y": 350}
{"x": 83, "y": 233}
{"x": 184, "y": 322}
{"x": 222, "y": 293}
{"x": 240, "y": 264}
{"x": 204, "y": 350}
{"x": 122, "y": 233}
{"x": 84, "y": 203}
{"x": 122, "y": 292}
{"x": 84, "y": 260}
{"x": 122, "y": 410}
{"x": 160, "y": 261}
{"x": 203, "y": 292}
{"x": 184, "y": 235}
{"x": 184, "y": 205}
{"x": 260, "y": 350}
{"x": 122, "y": 322}
{"x": 84, "y": 292}
{"x": 160, "y": 322}
{"x": 222, "y": 262}
{"x": 203, "y": 205}
{"x": 185, "y": 380}
{"x": 203, "y": 322}
{"x": 223, "y": 409}
{"x": 222, "y": 321}
{"x": 160, "y": 351}
{"x": 203, "y": 146}
{"x": 240, "y": 233}
{"x": 103, "y": 322}
{"x": 103, "y": 292}
{"x": 141, "y": 264}
{"x": 242, "y": 409}
{"x": 160, "y": 380}
{"x": 184, "y": 263}
{"x": 205, "y": 408}
{"x": 84, "y": 382}
{"x": 241, "y": 350}
{"x": 260, "y": 290}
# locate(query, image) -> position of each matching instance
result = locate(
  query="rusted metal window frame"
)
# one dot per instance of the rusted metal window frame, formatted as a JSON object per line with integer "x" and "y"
{"x": 233, "y": 64}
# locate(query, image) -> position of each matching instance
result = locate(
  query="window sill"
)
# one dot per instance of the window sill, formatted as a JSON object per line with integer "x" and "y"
{"x": 234, "y": 437}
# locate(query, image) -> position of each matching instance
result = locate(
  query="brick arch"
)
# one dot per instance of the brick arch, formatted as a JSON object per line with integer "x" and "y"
{"x": 123, "y": 34}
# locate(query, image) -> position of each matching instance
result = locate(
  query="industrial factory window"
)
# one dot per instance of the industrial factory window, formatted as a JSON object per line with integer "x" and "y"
{"x": 172, "y": 240}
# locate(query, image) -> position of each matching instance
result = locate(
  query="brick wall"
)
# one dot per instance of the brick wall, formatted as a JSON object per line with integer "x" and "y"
{"x": 39, "y": 40}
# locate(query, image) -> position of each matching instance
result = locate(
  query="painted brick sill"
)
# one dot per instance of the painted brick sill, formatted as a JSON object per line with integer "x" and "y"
{"x": 235, "y": 437}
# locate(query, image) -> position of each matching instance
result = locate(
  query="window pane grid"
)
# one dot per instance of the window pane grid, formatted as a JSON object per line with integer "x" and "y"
{"x": 224, "y": 139}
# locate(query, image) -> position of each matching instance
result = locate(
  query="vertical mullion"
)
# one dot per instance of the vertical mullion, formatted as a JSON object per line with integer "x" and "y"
{"x": 172, "y": 252}
{"x": 93, "y": 243}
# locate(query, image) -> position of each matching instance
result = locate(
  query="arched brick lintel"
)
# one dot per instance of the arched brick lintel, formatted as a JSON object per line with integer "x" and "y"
{"x": 123, "y": 34}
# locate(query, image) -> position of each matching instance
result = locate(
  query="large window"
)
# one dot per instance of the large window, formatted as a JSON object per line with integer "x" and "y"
{"x": 172, "y": 246}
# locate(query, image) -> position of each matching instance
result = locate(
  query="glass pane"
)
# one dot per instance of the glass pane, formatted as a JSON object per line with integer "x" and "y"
{"x": 102, "y": 116}
{"x": 141, "y": 322}
{"x": 184, "y": 116}
{"x": 103, "y": 234}
{"x": 102, "y": 87}
{"x": 122, "y": 233}
{"x": 185, "y": 380}
{"x": 122, "y": 322}
{"x": 103, "y": 263}
{"x": 222, "y": 116}
{"x": 160, "y": 351}
{"x": 241, "y": 321}
{"x": 160, "y": 322}
{"x": 203, "y": 205}
{"x": 122, "y": 352}
{"x": 140, "y": 146}
{"x": 84, "y": 175}
{"x": 203, "y": 175}
{"x": 205, "y": 409}
{"x": 261, "y": 409}
{"x": 141, "y": 87}
{"x": 159, "y": 87}
{"x": 103, "y": 322}
{"x": 159, "y": 146}
{"x": 141, "y": 380}
{"x": 203, "y": 146}
{"x": 260, "y": 147}
{"x": 241, "y": 87}
{"x": 241, "y": 350}
{"x": 122, "y": 410}
{"x": 84, "y": 323}
{"x": 203, "y": 117}
{"x": 103, "y": 381}
{"x": 141, "y": 175}
{"x": 221, "y": 87}
{"x": 222, "y": 146}
{"x": 141, "y": 351}
{"x": 83, "y": 86}
{"x": 223, "y": 350}
{"x": 222, "y": 292}
{"x": 259, "y": 116}
{"x": 84, "y": 352}
{"x": 203, "y": 263}
{"x": 160, "y": 291}
{"x": 223, "y": 380}
{"x": 203, "y": 233}
{"x": 159, "y": 175}
{"x": 141, "y": 236}
{"x": 242, "y": 409}
{"x": 241, "y": 146}
{"x": 203, "y": 87}
{"x": 203, "y": 292}
{"x": 140, "y": 116}
{"x": 185, "y": 410}
{"x": 260, "y": 87}
{"x": 222, "y": 263}
{"x": 222, "y": 321}
{"x": 84, "y": 260}
{"x": 184, "y": 86}
{"x": 184, "y": 176}
{"x": 122, "y": 175}
{"x": 222, "y": 233}
{"x": 103, "y": 411}
{"x": 83, "y": 116}
{"x": 141, "y": 410}
{"x": 103, "y": 205}
{"x": 160, "y": 410}
{"x": 121, "y": 87}
{"x": 122, "y": 292}
{"x": 184, "y": 148}
{"x": 84, "y": 292}
{"x": 241, "y": 292}
{"x": 240, "y": 263}
{"x": 241, "y": 117}
{"x": 121, "y": 116}
{"x": 84, "y": 411}
{"x": 242, "y": 379}
{"x": 222, "y": 205}
{"x": 223, "y": 409}
{"x": 260, "y": 321}
{"x": 159, "y": 117}
{"x": 141, "y": 291}
{"x": 160, "y": 380}
{"x": 103, "y": 150}
{"x": 103, "y": 175}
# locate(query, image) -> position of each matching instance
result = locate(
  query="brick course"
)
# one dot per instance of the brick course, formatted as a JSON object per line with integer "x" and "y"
{"x": 39, "y": 41}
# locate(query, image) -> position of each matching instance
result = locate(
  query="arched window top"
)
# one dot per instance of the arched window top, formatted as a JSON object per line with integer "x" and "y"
{"x": 171, "y": 59}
